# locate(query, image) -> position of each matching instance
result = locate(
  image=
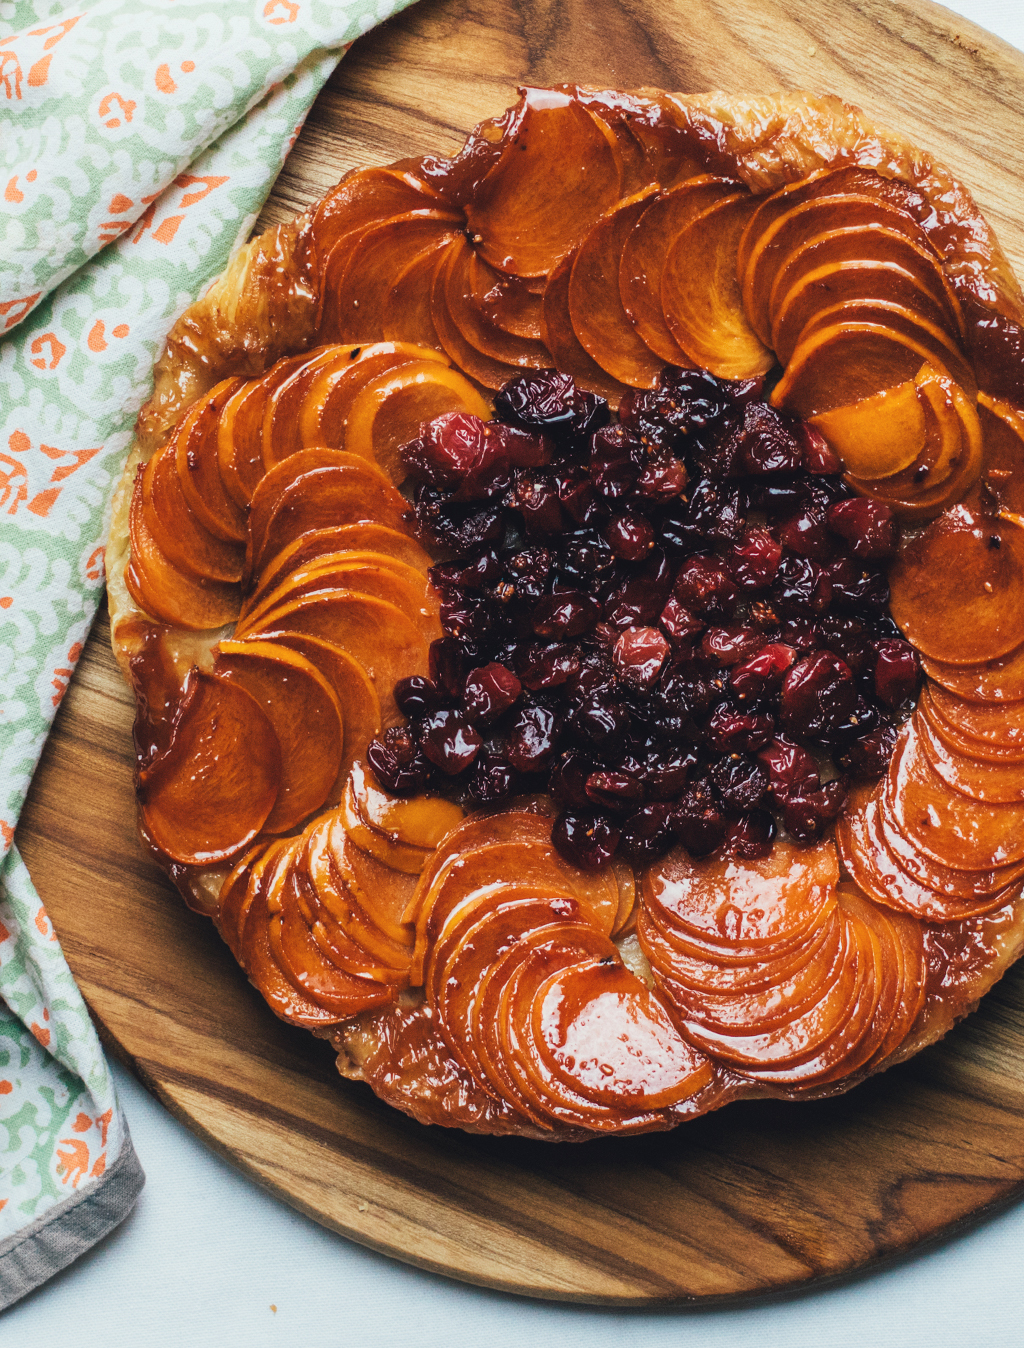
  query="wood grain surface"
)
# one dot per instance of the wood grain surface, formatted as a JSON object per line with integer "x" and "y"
{"x": 756, "y": 1199}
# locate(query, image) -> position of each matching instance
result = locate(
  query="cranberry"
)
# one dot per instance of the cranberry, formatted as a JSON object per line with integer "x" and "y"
{"x": 585, "y": 840}
{"x": 638, "y": 600}
{"x": 466, "y": 617}
{"x": 752, "y": 835}
{"x": 630, "y": 536}
{"x": 449, "y": 741}
{"x": 716, "y": 513}
{"x": 546, "y": 400}
{"x": 566, "y": 615}
{"x": 807, "y": 816}
{"x": 666, "y": 774}
{"x": 800, "y": 587}
{"x": 817, "y": 693}
{"x": 532, "y": 739}
{"x": 897, "y": 672}
{"x": 522, "y": 449}
{"x": 491, "y": 779}
{"x": 679, "y": 622}
{"x": 577, "y": 496}
{"x": 755, "y": 559}
{"x": 817, "y": 454}
{"x": 730, "y": 731}
{"x": 684, "y": 686}
{"x": 805, "y": 534}
{"x": 705, "y": 587}
{"x": 648, "y": 833}
{"x": 481, "y": 570}
{"x": 416, "y": 696}
{"x": 768, "y": 444}
{"x": 791, "y": 770}
{"x": 869, "y": 756}
{"x": 587, "y": 554}
{"x": 593, "y": 673}
{"x": 762, "y": 673}
{"x": 858, "y": 590}
{"x": 602, "y": 721}
{"x": 536, "y": 498}
{"x": 868, "y": 527}
{"x": 489, "y": 691}
{"x": 446, "y": 449}
{"x": 398, "y": 762}
{"x": 848, "y": 639}
{"x": 568, "y": 781}
{"x": 740, "y": 781}
{"x": 639, "y": 655}
{"x": 614, "y": 790}
{"x": 448, "y": 665}
{"x": 663, "y": 479}
{"x": 545, "y": 666}
{"x": 616, "y": 458}
{"x": 698, "y": 820}
{"x": 729, "y": 645}
{"x": 530, "y": 569}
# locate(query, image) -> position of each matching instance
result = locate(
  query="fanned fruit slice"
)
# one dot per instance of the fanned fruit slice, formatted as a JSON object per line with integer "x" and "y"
{"x": 701, "y": 300}
{"x": 601, "y": 323}
{"x": 510, "y": 303}
{"x": 646, "y": 248}
{"x": 381, "y": 893}
{"x": 407, "y": 315}
{"x": 1002, "y": 425}
{"x": 177, "y": 531}
{"x": 992, "y": 783}
{"x": 239, "y": 889}
{"x": 313, "y": 547}
{"x": 240, "y": 431}
{"x": 879, "y": 435}
{"x": 996, "y": 681}
{"x": 561, "y": 340}
{"x": 303, "y": 709}
{"x": 325, "y": 406}
{"x": 213, "y": 790}
{"x": 558, "y": 172}
{"x": 393, "y": 830}
{"x": 485, "y": 369}
{"x": 199, "y": 469}
{"x": 367, "y": 197}
{"x": 982, "y": 729}
{"x": 480, "y": 332}
{"x": 282, "y": 415}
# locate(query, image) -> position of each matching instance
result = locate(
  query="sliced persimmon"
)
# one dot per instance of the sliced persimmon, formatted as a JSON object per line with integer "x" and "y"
{"x": 602, "y": 325}
{"x": 423, "y": 821}
{"x": 957, "y": 590}
{"x": 561, "y": 340}
{"x": 558, "y": 173}
{"x": 304, "y": 551}
{"x": 161, "y": 589}
{"x": 946, "y": 826}
{"x": 381, "y": 892}
{"x": 213, "y": 790}
{"x": 240, "y": 431}
{"x": 996, "y": 727}
{"x": 646, "y": 248}
{"x": 281, "y": 426}
{"x": 356, "y": 288}
{"x": 303, "y": 709}
{"x": 199, "y": 468}
{"x": 998, "y": 681}
{"x": 236, "y": 891}
{"x": 188, "y": 544}
{"x": 483, "y": 335}
{"x": 1002, "y": 427}
{"x": 388, "y": 411}
{"x": 503, "y": 301}
{"x": 625, "y": 916}
{"x": 878, "y": 435}
{"x": 389, "y": 850}
{"x": 486, "y": 370}
{"x": 992, "y": 783}
{"x": 366, "y": 197}
{"x": 609, "y": 1038}
{"x": 841, "y": 282}
{"x": 337, "y": 901}
{"x": 325, "y": 406}
{"x": 406, "y": 315}
{"x": 701, "y": 299}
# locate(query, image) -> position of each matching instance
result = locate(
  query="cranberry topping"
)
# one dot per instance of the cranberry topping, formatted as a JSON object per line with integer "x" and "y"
{"x": 675, "y": 621}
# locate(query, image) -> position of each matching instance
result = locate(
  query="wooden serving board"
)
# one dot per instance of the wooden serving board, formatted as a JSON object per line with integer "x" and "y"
{"x": 760, "y": 1197}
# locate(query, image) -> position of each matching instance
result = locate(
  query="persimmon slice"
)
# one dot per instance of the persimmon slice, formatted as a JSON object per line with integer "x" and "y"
{"x": 388, "y": 849}
{"x": 484, "y": 336}
{"x": 646, "y": 248}
{"x": 505, "y": 302}
{"x": 303, "y": 709}
{"x": 407, "y": 315}
{"x": 878, "y": 435}
{"x": 702, "y": 303}
{"x": 609, "y": 1038}
{"x": 561, "y": 340}
{"x": 199, "y": 469}
{"x": 956, "y": 742}
{"x": 388, "y": 411}
{"x": 957, "y": 590}
{"x": 325, "y": 406}
{"x": 558, "y": 173}
{"x": 602, "y": 325}
{"x": 239, "y": 890}
{"x": 485, "y": 369}
{"x": 422, "y": 821}
{"x": 382, "y": 893}
{"x": 188, "y": 544}
{"x": 213, "y": 790}
{"x": 340, "y": 906}
{"x": 998, "y": 681}
{"x": 945, "y": 825}
{"x": 1002, "y": 424}
{"x": 281, "y": 425}
{"x": 366, "y": 197}
{"x": 997, "y": 727}
{"x": 160, "y": 588}
{"x": 320, "y": 543}
{"x": 240, "y": 431}
{"x": 992, "y": 783}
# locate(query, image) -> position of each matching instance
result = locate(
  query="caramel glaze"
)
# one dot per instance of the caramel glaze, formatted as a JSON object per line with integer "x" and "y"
{"x": 266, "y": 305}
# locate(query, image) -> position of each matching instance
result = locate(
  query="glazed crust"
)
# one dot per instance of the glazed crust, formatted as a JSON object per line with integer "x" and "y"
{"x": 265, "y": 306}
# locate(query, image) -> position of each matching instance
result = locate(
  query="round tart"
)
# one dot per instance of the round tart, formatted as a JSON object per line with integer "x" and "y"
{"x": 573, "y": 594}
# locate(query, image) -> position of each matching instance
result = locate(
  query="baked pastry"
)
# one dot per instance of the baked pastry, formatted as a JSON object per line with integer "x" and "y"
{"x": 594, "y": 782}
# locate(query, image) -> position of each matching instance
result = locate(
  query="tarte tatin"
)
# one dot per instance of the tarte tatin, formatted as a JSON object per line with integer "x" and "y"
{"x": 574, "y": 596}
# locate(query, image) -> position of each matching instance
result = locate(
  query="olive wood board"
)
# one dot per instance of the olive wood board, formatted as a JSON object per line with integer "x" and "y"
{"x": 760, "y": 1197}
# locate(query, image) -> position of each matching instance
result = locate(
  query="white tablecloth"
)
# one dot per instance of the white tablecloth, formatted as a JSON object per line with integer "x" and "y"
{"x": 254, "y": 1274}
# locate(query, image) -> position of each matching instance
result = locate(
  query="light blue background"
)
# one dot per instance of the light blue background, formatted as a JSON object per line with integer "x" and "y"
{"x": 206, "y": 1254}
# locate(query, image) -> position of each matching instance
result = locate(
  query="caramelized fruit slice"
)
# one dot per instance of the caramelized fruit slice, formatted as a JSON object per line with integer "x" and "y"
{"x": 993, "y": 783}
{"x": 325, "y": 407}
{"x": 239, "y": 890}
{"x": 281, "y": 415}
{"x": 485, "y": 369}
{"x": 321, "y": 543}
{"x": 358, "y": 284}
{"x": 368, "y": 196}
{"x": 957, "y": 590}
{"x": 609, "y": 1038}
{"x": 505, "y": 302}
{"x": 177, "y": 531}
{"x": 558, "y": 173}
{"x": 388, "y": 412}
{"x": 422, "y": 821}
{"x": 387, "y": 848}
{"x": 479, "y": 332}
{"x": 1002, "y": 425}
{"x": 1000, "y": 728}
{"x": 381, "y": 892}
{"x": 344, "y": 908}
{"x": 702, "y": 302}
{"x": 240, "y": 431}
{"x": 997, "y": 681}
{"x": 213, "y": 790}
{"x": 946, "y": 826}
{"x": 303, "y": 709}
{"x": 357, "y": 697}
{"x": 162, "y": 590}
{"x": 646, "y": 248}
{"x": 878, "y": 435}
{"x": 604, "y": 329}
{"x": 407, "y": 313}
{"x": 561, "y": 340}
{"x": 199, "y": 469}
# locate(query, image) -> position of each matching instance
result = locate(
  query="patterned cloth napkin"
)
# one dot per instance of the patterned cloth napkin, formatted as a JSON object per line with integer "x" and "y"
{"x": 138, "y": 142}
